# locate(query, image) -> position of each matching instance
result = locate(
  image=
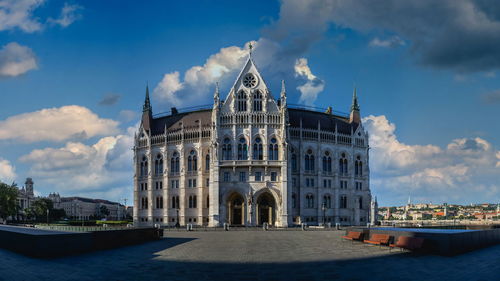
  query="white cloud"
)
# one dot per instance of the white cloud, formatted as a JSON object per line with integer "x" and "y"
{"x": 16, "y": 60}
{"x": 56, "y": 124}
{"x": 77, "y": 168}
{"x": 467, "y": 169}
{"x": 313, "y": 86}
{"x": 19, "y": 14}
{"x": 69, "y": 14}
{"x": 392, "y": 42}
{"x": 7, "y": 171}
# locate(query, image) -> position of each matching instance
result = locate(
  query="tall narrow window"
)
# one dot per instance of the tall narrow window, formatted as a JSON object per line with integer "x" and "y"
{"x": 144, "y": 166}
{"x": 226, "y": 149}
{"x": 358, "y": 167}
{"x": 327, "y": 162}
{"x": 343, "y": 164}
{"x": 192, "y": 161}
{"x": 294, "y": 200}
{"x": 273, "y": 149}
{"x": 343, "y": 201}
{"x": 175, "y": 163}
{"x": 360, "y": 201}
{"x": 242, "y": 101}
{"x": 159, "y": 165}
{"x": 309, "y": 161}
{"x": 242, "y": 149}
{"x": 257, "y": 150}
{"x": 257, "y": 101}
{"x": 207, "y": 161}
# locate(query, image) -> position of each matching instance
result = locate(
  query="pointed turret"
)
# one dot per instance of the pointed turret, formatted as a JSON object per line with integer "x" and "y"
{"x": 355, "y": 115}
{"x": 216, "y": 95}
{"x": 283, "y": 94}
{"x": 147, "y": 112}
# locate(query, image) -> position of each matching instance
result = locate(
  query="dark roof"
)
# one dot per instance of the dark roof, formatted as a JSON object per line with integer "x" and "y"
{"x": 327, "y": 121}
{"x": 309, "y": 120}
{"x": 188, "y": 119}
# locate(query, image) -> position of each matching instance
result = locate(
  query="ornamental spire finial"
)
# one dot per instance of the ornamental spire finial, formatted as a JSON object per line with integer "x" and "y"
{"x": 250, "y": 47}
{"x": 355, "y": 105}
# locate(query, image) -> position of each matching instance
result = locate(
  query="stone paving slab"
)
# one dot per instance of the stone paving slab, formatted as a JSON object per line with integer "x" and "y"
{"x": 253, "y": 255}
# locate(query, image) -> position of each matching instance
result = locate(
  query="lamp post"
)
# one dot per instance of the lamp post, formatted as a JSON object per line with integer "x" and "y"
{"x": 323, "y": 207}
{"x": 177, "y": 224}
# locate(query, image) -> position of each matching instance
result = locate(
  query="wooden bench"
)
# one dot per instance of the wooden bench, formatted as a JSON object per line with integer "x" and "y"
{"x": 379, "y": 239}
{"x": 408, "y": 243}
{"x": 354, "y": 236}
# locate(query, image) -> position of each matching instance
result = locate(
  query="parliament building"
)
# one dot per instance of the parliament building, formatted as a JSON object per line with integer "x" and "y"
{"x": 251, "y": 159}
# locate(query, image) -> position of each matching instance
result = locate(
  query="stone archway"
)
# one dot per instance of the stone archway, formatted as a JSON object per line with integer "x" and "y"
{"x": 235, "y": 209}
{"x": 266, "y": 209}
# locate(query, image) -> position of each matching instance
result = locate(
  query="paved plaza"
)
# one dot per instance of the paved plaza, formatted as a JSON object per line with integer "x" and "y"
{"x": 253, "y": 255}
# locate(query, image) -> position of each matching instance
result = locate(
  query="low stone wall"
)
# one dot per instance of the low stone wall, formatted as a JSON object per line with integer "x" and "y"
{"x": 49, "y": 244}
{"x": 446, "y": 242}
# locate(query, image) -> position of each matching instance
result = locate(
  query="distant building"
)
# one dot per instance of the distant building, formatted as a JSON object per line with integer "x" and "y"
{"x": 86, "y": 208}
{"x": 25, "y": 198}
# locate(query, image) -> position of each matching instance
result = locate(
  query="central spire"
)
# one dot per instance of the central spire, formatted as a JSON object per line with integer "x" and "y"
{"x": 147, "y": 103}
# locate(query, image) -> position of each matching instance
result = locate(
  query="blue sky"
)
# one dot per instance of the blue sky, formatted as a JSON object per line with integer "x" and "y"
{"x": 73, "y": 73}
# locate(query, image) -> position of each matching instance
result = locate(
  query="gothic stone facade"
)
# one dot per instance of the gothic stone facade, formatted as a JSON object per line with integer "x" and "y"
{"x": 251, "y": 160}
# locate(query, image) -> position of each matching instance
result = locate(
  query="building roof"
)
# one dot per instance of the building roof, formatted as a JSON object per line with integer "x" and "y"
{"x": 187, "y": 119}
{"x": 309, "y": 118}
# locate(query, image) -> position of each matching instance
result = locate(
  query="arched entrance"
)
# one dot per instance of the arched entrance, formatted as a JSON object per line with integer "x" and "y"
{"x": 266, "y": 209}
{"x": 235, "y": 209}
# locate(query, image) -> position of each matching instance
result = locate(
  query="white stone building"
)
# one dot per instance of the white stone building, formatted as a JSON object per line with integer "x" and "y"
{"x": 87, "y": 208}
{"x": 251, "y": 159}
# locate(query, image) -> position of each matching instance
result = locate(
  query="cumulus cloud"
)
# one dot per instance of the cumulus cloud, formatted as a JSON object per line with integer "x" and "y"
{"x": 110, "y": 99}
{"x": 77, "y": 168}
{"x": 56, "y": 124}
{"x": 466, "y": 168}
{"x": 391, "y": 42}
{"x": 313, "y": 85}
{"x": 19, "y": 14}
{"x": 69, "y": 14}
{"x": 7, "y": 171}
{"x": 16, "y": 60}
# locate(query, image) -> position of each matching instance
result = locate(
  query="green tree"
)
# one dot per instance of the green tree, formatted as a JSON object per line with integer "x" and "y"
{"x": 8, "y": 200}
{"x": 40, "y": 208}
{"x": 103, "y": 210}
{"x": 57, "y": 214}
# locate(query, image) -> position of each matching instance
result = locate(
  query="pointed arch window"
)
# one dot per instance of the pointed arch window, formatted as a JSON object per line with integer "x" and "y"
{"x": 257, "y": 149}
{"x": 309, "y": 201}
{"x": 358, "y": 167}
{"x": 273, "y": 149}
{"x": 309, "y": 161}
{"x": 242, "y": 149}
{"x": 192, "y": 161}
{"x": 360, "y": 201}
{"x": 207, "y": 161}
{"x": 257, "y": 101}
{"x": 343, "y": 165}
{"x": 327, "y": 162}
{"x": 241, "y": 101}
{"x": 226, "y": 149}
{"x": 175, "y": 163}
{"x": 144, "y": 166}
{"x": 159, "y": 164}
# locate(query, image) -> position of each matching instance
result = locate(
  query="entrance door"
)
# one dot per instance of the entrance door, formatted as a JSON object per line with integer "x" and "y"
{"x": 265, "y": 207}
{"x": 237, "y": 215}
